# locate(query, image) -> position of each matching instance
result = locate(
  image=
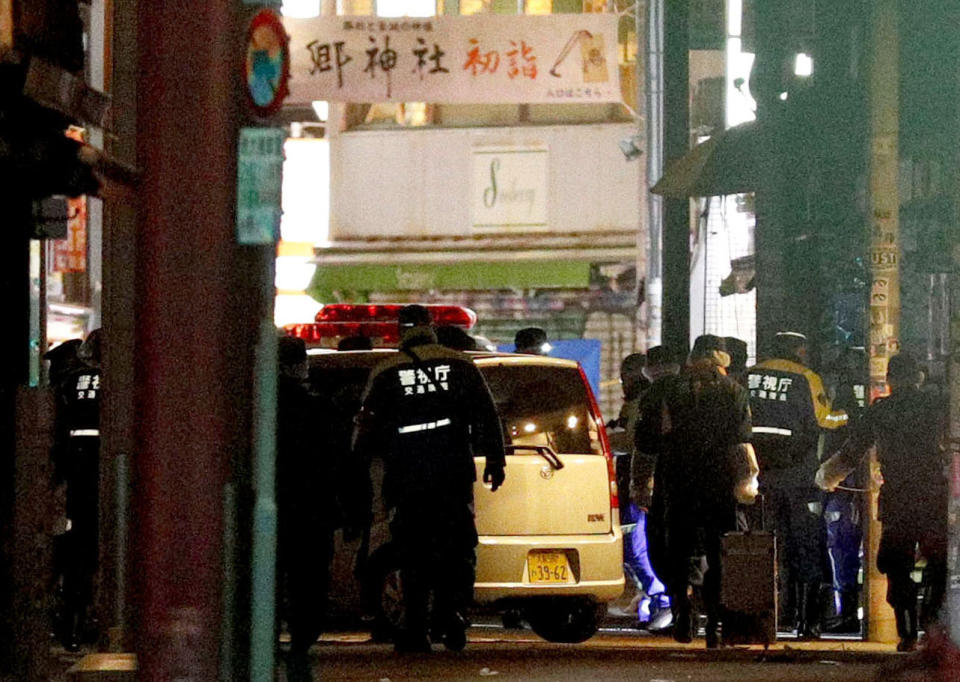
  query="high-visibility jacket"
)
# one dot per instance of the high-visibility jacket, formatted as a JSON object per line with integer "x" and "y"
{"x": 790, "y": 408}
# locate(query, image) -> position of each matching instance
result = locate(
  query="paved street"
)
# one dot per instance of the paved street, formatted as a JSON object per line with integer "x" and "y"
{"x": 611, "y": 655}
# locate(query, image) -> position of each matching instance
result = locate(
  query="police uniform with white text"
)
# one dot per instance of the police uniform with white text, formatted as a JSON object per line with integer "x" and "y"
{"x": 427, "y": 411}
{"x": 790, "y": 407}
{"x": 77, "y": 462}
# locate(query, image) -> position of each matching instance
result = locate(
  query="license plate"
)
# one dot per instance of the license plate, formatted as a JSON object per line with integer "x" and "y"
{"x": 548, "y": 567}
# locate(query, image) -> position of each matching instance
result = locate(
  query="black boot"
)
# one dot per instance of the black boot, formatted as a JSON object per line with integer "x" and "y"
{"x": 848, "y": 620}
{"x": 683, "y": 623}
{"x": 72, "y": 633}
{"x": 808, "y": 611}
{"x": 906, "y": 628}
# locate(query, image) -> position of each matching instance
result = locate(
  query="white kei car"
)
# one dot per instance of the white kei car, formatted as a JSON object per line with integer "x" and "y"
{"x": 551, "y": 545}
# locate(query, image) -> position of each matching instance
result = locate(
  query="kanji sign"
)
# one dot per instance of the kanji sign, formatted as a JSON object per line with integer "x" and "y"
{"x": 70, "y": 254}
{"x": 259, "y": 180}
{"x": 466, "y": 59}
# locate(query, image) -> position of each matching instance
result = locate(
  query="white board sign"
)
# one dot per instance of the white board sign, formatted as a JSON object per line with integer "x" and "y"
{"x": 484, "y": 58}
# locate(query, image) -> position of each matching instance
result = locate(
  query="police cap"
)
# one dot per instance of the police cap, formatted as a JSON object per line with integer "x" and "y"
{"x": 414, "y": 316}
{"x": 530, "y": 338}
{"x": 291, "y": 350}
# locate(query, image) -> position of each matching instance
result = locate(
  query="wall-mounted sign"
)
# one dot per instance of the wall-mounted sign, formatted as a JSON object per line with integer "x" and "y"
{"x": 259, "y": 183}
{"x": 509, "y": 188}
{"x": 468, "y": 59}
{"x": 266, "y": 63}
{"x": 70, "y": 254}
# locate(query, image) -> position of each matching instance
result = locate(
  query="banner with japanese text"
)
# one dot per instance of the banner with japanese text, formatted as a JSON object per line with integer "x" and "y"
{"x": 70, "y": 254}
{"x": 486, "y": 58}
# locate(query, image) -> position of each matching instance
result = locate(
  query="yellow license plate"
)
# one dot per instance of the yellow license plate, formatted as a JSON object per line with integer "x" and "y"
{"x": 548, "y": 567}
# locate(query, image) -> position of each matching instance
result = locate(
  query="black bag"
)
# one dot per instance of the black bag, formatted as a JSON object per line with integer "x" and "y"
{"x": 748, "y": 586}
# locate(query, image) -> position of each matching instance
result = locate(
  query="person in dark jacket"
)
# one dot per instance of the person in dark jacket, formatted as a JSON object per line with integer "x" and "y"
{"x": 310, "y": 479}
{"x": 77, "y": 463}
{"x": 790, "y": 411}
{"x": 704, "y": 416}
{"x": 427, "y": 412}
{"x": 908, "y": 430}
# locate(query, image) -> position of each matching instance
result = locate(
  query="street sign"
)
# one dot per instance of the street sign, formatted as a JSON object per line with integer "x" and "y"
{"x": 266, "y": 63}
{"x": 259, "y": 180}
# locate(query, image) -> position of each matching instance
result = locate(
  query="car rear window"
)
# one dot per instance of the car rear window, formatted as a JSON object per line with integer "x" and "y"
{"x": 544, "y": 405}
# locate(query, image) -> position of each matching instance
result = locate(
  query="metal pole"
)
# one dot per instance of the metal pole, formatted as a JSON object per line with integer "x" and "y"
{"x": 652, "y": 24}
{"x": 263, "y": 634}
{"x": 884, "y": 212}
{"x": 676, "y": 143}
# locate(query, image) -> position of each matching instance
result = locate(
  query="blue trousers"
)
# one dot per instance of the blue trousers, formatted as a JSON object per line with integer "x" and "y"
{"x": 636, "y": 557}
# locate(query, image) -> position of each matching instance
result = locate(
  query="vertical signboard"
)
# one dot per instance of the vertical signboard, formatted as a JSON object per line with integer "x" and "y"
{"x": 259, "y": 184}
{"x": 70, "y": 254}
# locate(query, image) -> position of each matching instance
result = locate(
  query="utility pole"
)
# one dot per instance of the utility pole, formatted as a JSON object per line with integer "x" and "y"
{"x": 198, "y": 304}
{"x": 676, "y": 143}
{"x": 884, "y": 215}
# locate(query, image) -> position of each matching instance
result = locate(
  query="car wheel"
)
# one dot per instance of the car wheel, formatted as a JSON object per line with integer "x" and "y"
{"x": 391, "y": 599}
{"x": 570, "y": 620}
{"x": 384, "y": 595}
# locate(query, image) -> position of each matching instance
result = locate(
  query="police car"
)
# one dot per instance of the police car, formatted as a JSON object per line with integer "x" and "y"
{"x": 550, "y": 537}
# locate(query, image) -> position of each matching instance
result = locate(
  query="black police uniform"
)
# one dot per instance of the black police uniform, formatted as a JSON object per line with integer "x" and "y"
{"x": 700, "y": 415}
{"x": 307, "y": 513}
{"x": 427, "y": 411}
{"x": 77, "y": 462}
{"x": 907, "y": 429}
{"x": 790, "y": 408}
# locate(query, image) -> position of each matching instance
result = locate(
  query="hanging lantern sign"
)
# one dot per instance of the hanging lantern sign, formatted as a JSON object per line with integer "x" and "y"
{"x": 266, "y": 63}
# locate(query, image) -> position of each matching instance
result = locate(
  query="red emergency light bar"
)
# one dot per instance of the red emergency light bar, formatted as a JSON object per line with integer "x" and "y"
{"x": 377, "y": 322}
{"x": 388, "y": 312}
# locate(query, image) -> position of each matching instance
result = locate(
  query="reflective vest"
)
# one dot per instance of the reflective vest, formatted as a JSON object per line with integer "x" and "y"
{"x": 789, "y": 409}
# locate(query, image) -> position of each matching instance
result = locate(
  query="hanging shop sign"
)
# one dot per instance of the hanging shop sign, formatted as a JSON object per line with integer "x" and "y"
{"x": 509, "y": 188}
{"x": 70, "y": 254}
{"x": 456, "y": 59}
{"x": 266, "y": 63}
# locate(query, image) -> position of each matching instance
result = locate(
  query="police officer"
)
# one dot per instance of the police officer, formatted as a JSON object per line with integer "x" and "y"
{"x": 654, "y": 607}
{"x": 309, "y": 484}
{"x": 841, "y": 509}
{"x": 77, "y": 463}
{"x": 427, "y": 411}
{"x": 531, "y": 341}
{"x": 790, "y": 407}
{"x": 907, "y": 429}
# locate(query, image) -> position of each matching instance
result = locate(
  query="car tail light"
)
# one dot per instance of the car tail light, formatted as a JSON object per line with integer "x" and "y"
{"x": 377, "y": 322}
{"x": 604, "y": 443}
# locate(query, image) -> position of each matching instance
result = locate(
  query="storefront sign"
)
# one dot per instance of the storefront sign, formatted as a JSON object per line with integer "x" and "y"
{"x": 70, "y": 254}
{"x": 509, "y": 188}
{"x": 467, "y": 59}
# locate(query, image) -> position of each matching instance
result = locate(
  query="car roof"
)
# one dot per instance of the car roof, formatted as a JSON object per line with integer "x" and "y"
{"x": 369, "y": 358}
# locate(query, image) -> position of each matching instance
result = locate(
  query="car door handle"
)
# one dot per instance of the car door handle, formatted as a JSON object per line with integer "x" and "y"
{"x": 544, "y": 451}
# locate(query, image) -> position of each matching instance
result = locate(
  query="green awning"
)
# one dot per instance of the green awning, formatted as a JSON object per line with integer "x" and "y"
{"x": 468, "y": 275}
